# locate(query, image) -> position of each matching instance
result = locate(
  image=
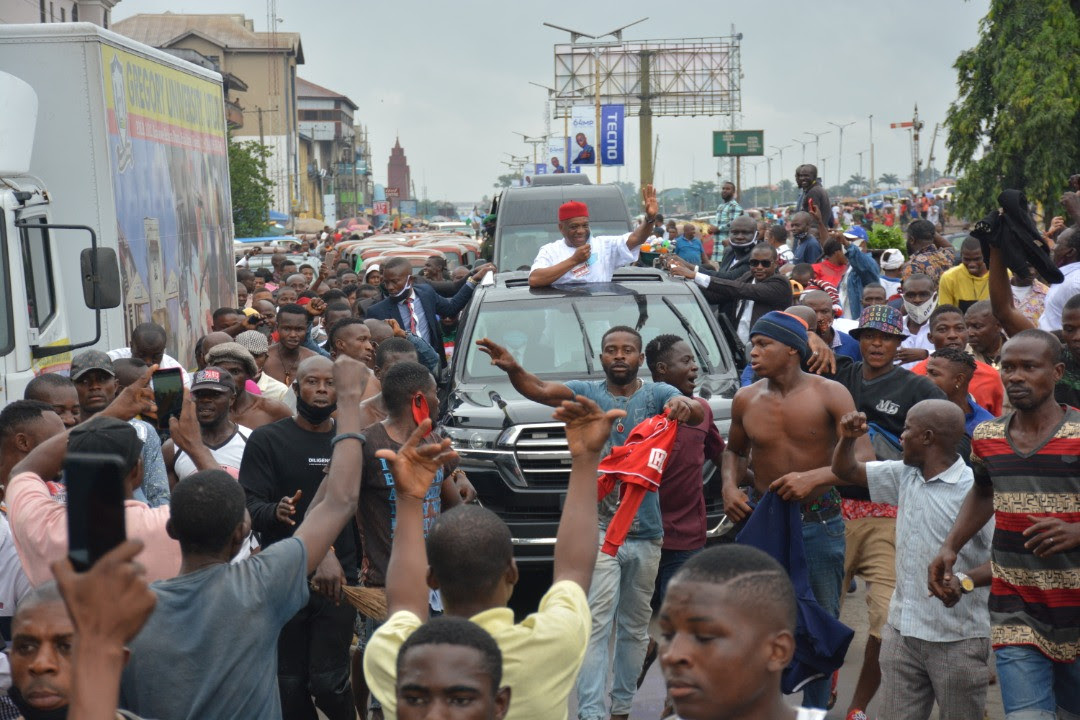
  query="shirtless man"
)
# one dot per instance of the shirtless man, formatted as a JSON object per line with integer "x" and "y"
{"x": 286, "y": 354}
{"x": 791, "y": 422}
{"x": 390, "y": 352}
{"x": 249, "y": 410}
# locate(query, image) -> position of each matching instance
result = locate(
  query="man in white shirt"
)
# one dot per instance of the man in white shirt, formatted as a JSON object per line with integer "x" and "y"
{"x": 578, "y": 257}
{"x": 1067, "y": 258}
{"x": 148, "y": 344}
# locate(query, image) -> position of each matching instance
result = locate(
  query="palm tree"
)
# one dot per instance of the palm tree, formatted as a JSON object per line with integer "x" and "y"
{"x": 888, "y": 180}
{"x": 856, "y": 183}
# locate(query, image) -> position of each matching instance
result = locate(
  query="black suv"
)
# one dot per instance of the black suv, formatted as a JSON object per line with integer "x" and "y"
{"x": 515, "y": 454}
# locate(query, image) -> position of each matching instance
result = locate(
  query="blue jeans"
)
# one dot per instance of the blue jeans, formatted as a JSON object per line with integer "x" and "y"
{"x": 1034, "y": 687}
{"x": 670, "y": 562}
{"x": 824, "y": 545}
{"x": 621, "y": 589}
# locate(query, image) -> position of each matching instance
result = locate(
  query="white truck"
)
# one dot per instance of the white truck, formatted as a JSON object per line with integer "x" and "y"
{"x": 114, "y": 197}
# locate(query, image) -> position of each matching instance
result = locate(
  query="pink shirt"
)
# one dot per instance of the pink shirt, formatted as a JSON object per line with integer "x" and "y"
{"x": 39, "y": 527}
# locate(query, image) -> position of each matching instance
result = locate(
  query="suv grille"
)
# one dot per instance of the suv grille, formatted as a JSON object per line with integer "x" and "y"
{"x": 542, "y": 455}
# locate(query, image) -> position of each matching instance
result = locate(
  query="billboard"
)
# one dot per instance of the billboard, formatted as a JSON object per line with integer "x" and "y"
{"x": 583, "y": 135}
{"x": 407, "y": 208}
{"x": 170, "y": 173}
{"x": 726, "y": 143}
{"x": 557, "y": 154}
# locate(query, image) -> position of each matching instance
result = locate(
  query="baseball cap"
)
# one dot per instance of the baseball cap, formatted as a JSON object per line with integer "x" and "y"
{"x": 213, "y": 378}
{"x": 892, "y": 259}
{"x": 856, "y": 232}
{"x": 883, "y": 318}
{"x": 254, "y": 342}
{"x": 89, "y": 360}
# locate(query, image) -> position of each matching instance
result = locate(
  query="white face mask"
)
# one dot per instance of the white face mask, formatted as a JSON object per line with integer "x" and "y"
{"x": 921, "y": 313}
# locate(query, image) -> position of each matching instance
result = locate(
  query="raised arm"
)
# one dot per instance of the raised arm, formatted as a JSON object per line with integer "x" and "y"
{"x": 1001, "y": 297}
{"x": 845, "y": 466}
{"x": 414, "y": 467}
{"x": 644, "y": 231}
{"x": 587, "y": 430}
{"x": 186, "y": 435}
{"x": 324, "y": 522}
{"x": 532, "y": 387}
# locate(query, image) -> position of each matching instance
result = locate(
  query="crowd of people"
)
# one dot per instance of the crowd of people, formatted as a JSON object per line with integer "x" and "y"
{"x": 905, "y": 421}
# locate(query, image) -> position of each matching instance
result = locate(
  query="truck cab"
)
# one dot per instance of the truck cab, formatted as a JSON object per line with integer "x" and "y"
{"x": 34, "y": 332}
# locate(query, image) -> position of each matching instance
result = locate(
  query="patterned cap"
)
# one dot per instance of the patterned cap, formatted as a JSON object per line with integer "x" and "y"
{"x": 213, "y": 378}
{"x": 883, "y": 318}
{"x": 254, "y": 341}
{"x": 89, "y": 360}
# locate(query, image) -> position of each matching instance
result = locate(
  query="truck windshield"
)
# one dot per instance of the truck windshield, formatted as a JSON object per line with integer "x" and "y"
{"x": 519, "y": 244}
{"x": 547, "y": 337}
{"x": 7, "y": 335}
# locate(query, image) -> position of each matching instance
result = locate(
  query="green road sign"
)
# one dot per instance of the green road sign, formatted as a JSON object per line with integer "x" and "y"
{"x": 738, "y": 142}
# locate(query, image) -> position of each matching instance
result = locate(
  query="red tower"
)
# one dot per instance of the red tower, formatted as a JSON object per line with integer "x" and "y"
{"x": 397, "y": 172}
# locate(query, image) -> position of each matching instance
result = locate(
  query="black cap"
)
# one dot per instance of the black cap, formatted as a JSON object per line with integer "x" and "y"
{"x": 89, "y": 360}
{"x": 102, "y": 435}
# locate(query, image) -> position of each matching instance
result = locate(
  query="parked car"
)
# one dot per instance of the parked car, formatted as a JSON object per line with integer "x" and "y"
{"x": 514, "y": 453}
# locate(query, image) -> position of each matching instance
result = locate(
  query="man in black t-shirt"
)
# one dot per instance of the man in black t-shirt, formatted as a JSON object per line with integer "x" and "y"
{"x": 283, "y": 465}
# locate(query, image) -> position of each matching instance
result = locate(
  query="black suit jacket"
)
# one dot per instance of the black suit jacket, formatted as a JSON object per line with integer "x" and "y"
{"x": 774, "y": 293}
{"x": 434, "y": 305}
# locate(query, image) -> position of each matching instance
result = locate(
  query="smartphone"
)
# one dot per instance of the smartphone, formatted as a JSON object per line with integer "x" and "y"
{"x": 95, "y": 506}
{"x": 168, "y": 395}
{"x": 421, "y": 411}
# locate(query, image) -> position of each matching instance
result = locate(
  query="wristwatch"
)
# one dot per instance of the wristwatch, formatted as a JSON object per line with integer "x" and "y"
{"x": 966, "y": 583}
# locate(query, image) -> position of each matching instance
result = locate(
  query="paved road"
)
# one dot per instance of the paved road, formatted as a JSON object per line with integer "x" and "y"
{"x": 648, "y": 703}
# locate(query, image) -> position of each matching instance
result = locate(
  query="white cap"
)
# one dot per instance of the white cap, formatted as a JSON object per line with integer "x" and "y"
{"x": 892, "y": 259}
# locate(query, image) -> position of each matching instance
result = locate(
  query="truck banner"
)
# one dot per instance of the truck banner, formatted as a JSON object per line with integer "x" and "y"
{"x": 170, "y": 169}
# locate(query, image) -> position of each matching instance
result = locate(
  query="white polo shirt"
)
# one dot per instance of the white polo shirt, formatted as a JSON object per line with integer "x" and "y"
{"x": 608, "y": 253}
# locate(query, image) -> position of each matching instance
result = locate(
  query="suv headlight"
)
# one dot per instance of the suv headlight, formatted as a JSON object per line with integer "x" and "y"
{"x": 465, "y": 439}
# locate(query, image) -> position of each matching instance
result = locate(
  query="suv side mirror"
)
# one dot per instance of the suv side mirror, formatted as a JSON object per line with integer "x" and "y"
{"x": 100, "y": 278}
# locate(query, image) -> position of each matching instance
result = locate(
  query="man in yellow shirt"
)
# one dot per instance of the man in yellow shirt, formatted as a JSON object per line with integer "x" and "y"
{"x": 469, "y": 559}
{"x": 968, "y": 282}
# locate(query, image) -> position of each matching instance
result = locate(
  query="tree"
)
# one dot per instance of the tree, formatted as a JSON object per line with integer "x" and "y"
{"x": 888, "y": 180}
{"x": 785, "y": 191}
{"x": 251, "y": 189}
{"x": 856, "y": 184}
{"x": 704, "y": 195}
{"x": 1014, "y": 122}
{"x": 505, "y": 181}
{"x": 630, "y": 195}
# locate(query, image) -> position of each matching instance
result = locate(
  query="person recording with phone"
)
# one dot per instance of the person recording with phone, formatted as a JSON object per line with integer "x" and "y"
{"x": 39, "y": 524}
{"x": 283, "y": 467}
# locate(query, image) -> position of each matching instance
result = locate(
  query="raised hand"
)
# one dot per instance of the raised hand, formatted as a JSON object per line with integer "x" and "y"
{"x": 500, "y": 356}
{"x": 185, "y": 430}
{"x": 136, "y": 399}
{"x": 853, "y": 425}
{"x": 414, "y": 465}
{"x": 648, "y": 197}
{"x": 587, "y": 426}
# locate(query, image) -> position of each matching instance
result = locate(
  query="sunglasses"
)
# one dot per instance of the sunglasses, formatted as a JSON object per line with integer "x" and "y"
{"x": 761, "y": 263}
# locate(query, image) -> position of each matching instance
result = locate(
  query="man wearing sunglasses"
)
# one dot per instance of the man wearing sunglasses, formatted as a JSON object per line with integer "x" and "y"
{"x": 746, "y": 299}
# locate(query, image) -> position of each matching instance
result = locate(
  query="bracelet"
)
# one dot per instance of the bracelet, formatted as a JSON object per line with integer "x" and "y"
{"x": 347, "y": 436}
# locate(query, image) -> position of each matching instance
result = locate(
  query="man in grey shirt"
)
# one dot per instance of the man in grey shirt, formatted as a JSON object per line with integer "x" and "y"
{"x": 930, "y": 650}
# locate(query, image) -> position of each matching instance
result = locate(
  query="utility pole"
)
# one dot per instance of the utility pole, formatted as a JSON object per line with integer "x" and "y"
{"x": 873, "y": 179}
{"x": 804, "y": 143}
{"x": 769, "y": 161}
{"x": 596, "y": 140}
{"x": 534, "y": 141}
{"x": 840, "y": 150}
{"x": 860, "y": 154}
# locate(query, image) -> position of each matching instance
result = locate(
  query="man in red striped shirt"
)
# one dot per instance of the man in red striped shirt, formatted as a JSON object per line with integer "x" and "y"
{"x": 1027, "y": 476}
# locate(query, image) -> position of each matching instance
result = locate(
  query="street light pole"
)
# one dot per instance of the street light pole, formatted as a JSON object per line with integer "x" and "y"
{"x": 873, "y": 180}
{"x": 840, "y": 151}
{"x": 860, "y": 154}
{"x": 817, "y": 146}
{"x": 804, "y": 143}
{"x": 769, "y": 161}
{"x": 780, "y": 168}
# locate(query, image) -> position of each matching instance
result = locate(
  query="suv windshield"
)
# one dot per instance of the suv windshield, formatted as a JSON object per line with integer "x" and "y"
{"x": 547, "y": 338}
{"x": 519, "y": 244}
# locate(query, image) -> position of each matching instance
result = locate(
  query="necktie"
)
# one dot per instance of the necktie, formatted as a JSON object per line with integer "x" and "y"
{"x": 412, "y": 315}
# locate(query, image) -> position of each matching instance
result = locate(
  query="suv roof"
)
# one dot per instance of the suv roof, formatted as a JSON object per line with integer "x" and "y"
{"x": 560, "y": 179}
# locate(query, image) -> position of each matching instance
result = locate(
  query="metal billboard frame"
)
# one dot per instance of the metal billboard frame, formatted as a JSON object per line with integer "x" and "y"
{"x": 690, "y": 76}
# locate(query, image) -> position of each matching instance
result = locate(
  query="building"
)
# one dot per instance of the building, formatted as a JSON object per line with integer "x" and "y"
{"x": 327, "y": 117}
{"x": 230, "y": 85}
{"x": 50, "y": 11}
{"x": 267, "y": 63}
{"x": 398, "y": 180}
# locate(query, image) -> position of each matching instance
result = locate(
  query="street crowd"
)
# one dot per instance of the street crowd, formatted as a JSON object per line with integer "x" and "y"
{"x": 302, "y": 540}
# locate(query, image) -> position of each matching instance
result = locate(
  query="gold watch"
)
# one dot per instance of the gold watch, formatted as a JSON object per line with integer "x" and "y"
{"x": 966, "y": 583}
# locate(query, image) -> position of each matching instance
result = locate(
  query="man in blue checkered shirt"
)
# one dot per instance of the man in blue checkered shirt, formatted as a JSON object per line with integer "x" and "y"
{"x": 728, "y": 210}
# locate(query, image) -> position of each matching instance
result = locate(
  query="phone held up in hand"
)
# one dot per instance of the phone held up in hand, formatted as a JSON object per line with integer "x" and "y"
{"x": 168, "y": 395}
{"x": 95, "y": 506}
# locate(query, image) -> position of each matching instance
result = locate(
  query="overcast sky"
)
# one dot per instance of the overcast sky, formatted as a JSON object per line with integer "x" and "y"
{"x": 451, "y": 78}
